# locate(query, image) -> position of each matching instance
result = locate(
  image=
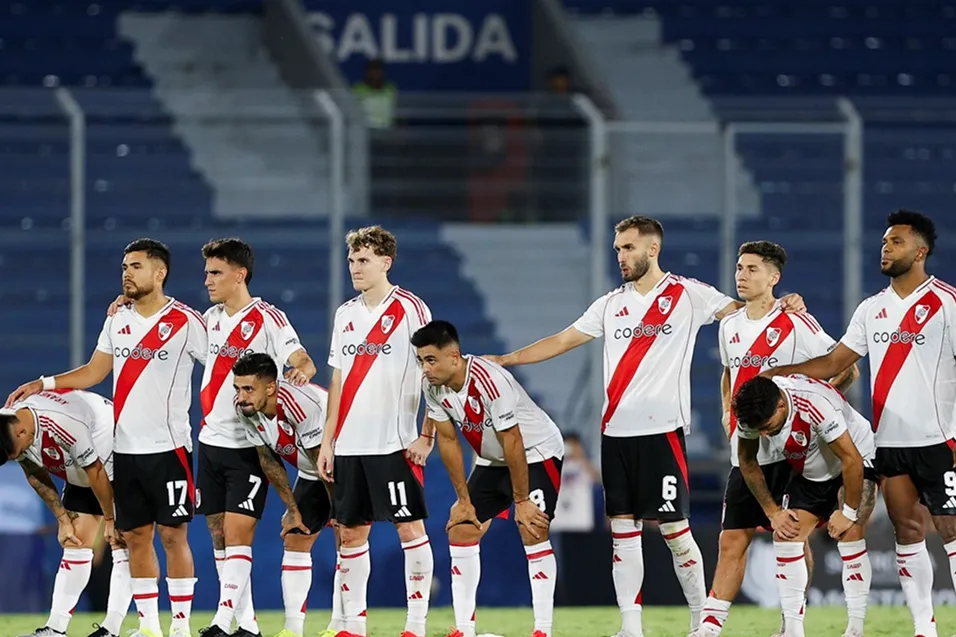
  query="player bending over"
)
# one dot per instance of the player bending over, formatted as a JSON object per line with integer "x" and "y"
{"x": 756, "y": 337}
{"x": 519, "y": 451}
{"x": 70, "y": 435}
{"x": 282, "y": 420}
{"x": 830, "y": 448}
{"x": 908, "y": 331}
{"x": 371, "y": 447}
{"x": 150, "y": 347}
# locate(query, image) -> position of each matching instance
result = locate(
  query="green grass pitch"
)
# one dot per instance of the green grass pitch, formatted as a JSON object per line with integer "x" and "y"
{"x": 882, "y": 621}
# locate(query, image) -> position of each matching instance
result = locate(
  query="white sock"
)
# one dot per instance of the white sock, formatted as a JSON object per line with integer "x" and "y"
{"x": 146, "y": 595}
{"x": 70, "y": 581}
{"x": 627, "y": 570}
{"x": 543, "y": 571}
{"x": 419, "y": 569}
{"x": 120, "y": 593}
{"x": 296, "y": 582}
{"x": 356, "y": 568}
{"x": 688, "y": 565}
{"x": 337, "y": 623}
{"x": 714, "y": 615}
{"x": 181, "y": 601}
{"x": 857, "y": 575}
{"x": 232, "y": 584}
{"x": 465, "y": 575}
{"x": 916, "y": 580}
{"x": 792, "y": 576}
{"x": 951, "y": 553}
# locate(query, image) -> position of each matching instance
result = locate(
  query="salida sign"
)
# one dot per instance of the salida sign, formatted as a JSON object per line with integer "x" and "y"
{"x": 430, "y": 45}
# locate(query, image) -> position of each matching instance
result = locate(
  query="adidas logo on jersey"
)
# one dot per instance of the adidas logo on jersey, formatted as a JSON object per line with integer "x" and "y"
{"x": 951, "y": 503}
{"x": 349, "y": 327}
{"x": 180, "y": 512}
{"x": 623, "y": 313}
{"x": 216, "y": 328}
{"x": 882, "y": 314}
{"x": 125, "y": 330}
{"x": 247, "y": 506}
{"x": 403, "y": 513}
{"x": 667, "y": 508}
{"x": 735, "y": 339}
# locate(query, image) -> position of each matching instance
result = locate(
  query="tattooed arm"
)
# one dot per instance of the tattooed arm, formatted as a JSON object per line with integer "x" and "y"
{"x": 39, "y": 478}
{"x": 276, "y": 474}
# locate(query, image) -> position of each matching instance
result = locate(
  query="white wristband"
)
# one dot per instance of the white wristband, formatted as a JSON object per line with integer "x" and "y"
{"x": 850, "y": 514}
{"x": 49, "y": 382}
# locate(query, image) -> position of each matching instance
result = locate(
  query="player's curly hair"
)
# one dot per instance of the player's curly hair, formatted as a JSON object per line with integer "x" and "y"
{"x": 755, "y": 402}
{"x": 381, "y": 241}
{"x": 922, "y": 226}
{"x": 259, "y": 365}
{"x": 769, "y": 251}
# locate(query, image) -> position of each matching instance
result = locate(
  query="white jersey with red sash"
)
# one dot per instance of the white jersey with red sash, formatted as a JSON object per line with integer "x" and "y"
{"x": 912, "y": 367}
{"x": 381, "y": 379}
{"x": 750, "y": 346}
{"x": 152, "y": 375}
{"x": 648, "y": 346}
{"x": 258, "y": 327}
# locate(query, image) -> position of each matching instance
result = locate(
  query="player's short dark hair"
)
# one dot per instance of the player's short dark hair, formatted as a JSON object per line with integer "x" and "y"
{"x": 233, "y": 251}
{"x": 154, "y": 250}
{"x": 755, "y": 402}
{"x": 922, "y": 226}
{"x": 259, "y": 365}
{"x": 644, "y": 225}
{"x": 6, "y": 436}
{"x": 441, "y": 334}
{"x": 770, "y": 252}
{"x": 378, "y": 239}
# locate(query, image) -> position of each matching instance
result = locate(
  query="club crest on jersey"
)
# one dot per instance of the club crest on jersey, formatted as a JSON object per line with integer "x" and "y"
{"x": 664, "y": 304}
{"x": 773, "y": 334}
{"x": 285, "y": 427}
{"x": 475, "y": 405}
{"x": 245, "y": 329}
{"x": 799, "y": 437}
{"x": 922, "y": 311}
{"x": 165, "y": 329}
{"x": 53, "y": 452}
{"x": 387, "y": 321}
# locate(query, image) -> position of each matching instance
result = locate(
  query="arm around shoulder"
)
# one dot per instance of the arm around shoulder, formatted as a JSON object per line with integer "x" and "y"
{"x": 547, "y": 348}
{"x": 822, "y": 367}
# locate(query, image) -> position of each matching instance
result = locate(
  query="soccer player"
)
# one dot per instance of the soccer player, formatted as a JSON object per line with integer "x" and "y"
{"x": 519, "y": 451}
{"x": 150, "y": 347}
{"x": 230, "y": 478}
{"x": 830, "y": 448}
{"x": 282, "y": 420}
{"x": 755, "y": 337}
{"x": 907, "y": 329}
{"x": 371, "y": 447}
{"x": 649, "y": 326}
{"x": 70, "y": 435}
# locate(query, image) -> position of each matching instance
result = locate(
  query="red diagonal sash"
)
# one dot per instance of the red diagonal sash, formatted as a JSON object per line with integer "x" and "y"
{"x": 638, "y": 348}
{"x": 797, "y": 447}
{"x": 235, "y": 342}
{"x": 55, "y": 464}
{"x": 912, "y": 324}
{"x": 391, "y": 318}
{"x": 471, "y": 426}
{"x": 761, "y": 349}
{"x": 134, "y": 367}
{"x": 285, "y": 442}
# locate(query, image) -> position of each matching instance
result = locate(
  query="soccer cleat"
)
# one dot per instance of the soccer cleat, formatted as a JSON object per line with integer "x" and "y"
{"x": 45, "y": 631}
{"x": 328, "y": 632}
{"x": 101, "y": 632}
{"x": 408, "y": 633}
{"x": 455, "y": 633}
{"x": 345, "y": 633}
{"x": 211, "y": 631}
{"x": 179, "y": 632}
{"x": 242, "y": 632}
{"x": 142, "y": 632}
{"x": 539, "y": 633}
{"x": 285, "y": 632}
{"x": 706, "y": 630}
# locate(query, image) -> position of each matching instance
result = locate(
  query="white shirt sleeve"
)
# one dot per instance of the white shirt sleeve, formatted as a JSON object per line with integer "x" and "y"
{"x": 504, "y": 408}
{"x": 308, "y": 428}
{"x": 197, "y": 342}
{"x": 832, "y": 425}
{"x": 855, "y": 336}
{"x": 79, "y": 444}
{"x": 724, "y": 357}
{"x": 434, "y": 409}
{"x": 707, "y": 300}
{"x": 284, "y": 338}
{"x": 335, "y": 347}
{"x": 812, "y": 339}
{"x": 105, "y": 343}
{"x": 592, "y": 321}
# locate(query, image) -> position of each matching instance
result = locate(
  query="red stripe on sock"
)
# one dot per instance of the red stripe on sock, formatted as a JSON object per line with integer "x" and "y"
{"x": 146, "y": 596}
{"x": 848, "y": 558}
{"x": 539, "y": 554}
{"x": 180, "y": 598}
{"x": 787, "y": 560}
{"x": 678, "y": 534}
{"x": 240, "y": 557}
{"x": 349, "y": 557}
{"x": 409, "y": 548}
{"x": 624, "y": 536}
{"x": 286, "y": 567}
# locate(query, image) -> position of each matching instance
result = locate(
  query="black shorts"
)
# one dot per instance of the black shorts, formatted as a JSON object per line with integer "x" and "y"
{"x": 820, "y": 498}
{"x": 153, "y": 488}
{"x": 230, "y": 480}
{"x": 930, "y": 469}
{"x": 80, "y": 500}
{"x": 646, "y": 476}
{"x": 491, "y": 494}
{"x": 378, "y": 489}
{"x": 741, "y": 509}
{"x": 312, "y": 498}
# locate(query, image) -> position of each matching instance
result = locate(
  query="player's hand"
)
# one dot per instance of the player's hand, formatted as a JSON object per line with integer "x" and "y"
{"x": 785, "y": 523}
{"x": 838, "y": 525}
{"x": 296, "y": 376}
{"x": 66, "y": 534}
{"x": 109, "y": 531}
{"x": 326, "y": 463}
{"x": 418, "y": 451}
{"x": 462, "y": 512}
{"x": 292, "y": 521}
{"x": 531, "y": 518}
{"x": 24, "y": 391}
{"x": 793, "y": 302}
{"x": 115, "y": 306}
{"x": 494, "y": 358}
